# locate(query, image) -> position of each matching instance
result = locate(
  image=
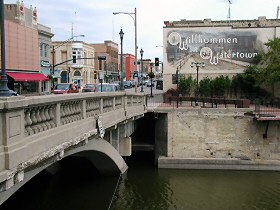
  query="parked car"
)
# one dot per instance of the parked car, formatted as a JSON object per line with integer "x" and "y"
{"x": 104, "y": 87}
{"x": 65, "y": 88}
{"x": 117, "y": 85}
{"x": 159, "y": 84}
{"x": 134, "y": 83}
{"x": 127, "y": 84}
{"x": 90, "y": 88}
{"x": 150, "y": 83}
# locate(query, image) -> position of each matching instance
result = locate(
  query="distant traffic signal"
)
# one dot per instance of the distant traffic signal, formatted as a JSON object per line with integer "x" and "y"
{"x": 156, "y": 62}
{"x": 95, "y": 75}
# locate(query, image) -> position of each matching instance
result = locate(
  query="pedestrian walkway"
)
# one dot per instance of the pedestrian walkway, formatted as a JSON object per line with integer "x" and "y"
{"x": 259, "y": 112}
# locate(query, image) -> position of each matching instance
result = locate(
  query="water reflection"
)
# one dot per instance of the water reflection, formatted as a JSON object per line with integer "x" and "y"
{"x": 144, "y": 187}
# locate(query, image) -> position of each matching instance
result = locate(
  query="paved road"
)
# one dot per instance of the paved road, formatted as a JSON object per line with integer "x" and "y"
{"x": 147, "y": 90}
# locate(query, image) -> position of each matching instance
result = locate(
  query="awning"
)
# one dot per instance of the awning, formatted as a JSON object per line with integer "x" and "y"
{"x": 28, "y": 77}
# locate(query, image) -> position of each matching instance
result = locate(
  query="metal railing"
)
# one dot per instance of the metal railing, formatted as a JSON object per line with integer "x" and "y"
{"x": 162, "y": 100}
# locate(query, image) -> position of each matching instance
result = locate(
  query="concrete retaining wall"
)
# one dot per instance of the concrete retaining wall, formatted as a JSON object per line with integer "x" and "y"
{"x": 212, "y": 135}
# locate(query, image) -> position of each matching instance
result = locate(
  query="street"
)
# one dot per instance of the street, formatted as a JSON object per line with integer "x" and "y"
{"x": 147, "y": 90}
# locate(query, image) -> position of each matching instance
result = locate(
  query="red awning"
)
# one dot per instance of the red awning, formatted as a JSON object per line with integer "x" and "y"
{"x": 28, "y": 77}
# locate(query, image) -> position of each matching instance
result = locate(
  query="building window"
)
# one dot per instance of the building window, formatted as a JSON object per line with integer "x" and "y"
{"x": 63, "y": 56}
{"x": 77, "y": 54}
{"x": 46, "y": 51}
{"x": 85, "y": 56}
{"x": 77, "y": 74}
{"x": 41, "y": 49}
{"x": 74, "y": 57}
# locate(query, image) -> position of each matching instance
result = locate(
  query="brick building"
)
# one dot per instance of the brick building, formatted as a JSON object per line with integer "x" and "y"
{"x": 108, "y": 67}
{"x": 23, "y": 50}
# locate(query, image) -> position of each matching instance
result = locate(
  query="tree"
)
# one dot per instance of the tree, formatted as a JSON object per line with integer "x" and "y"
{"x": 205, "y": 87}
{"x": 185, "y": 85}
{"x": 269, "y": 66}
{"x": 245, "y": 84}
{"x": 221, "y": 86}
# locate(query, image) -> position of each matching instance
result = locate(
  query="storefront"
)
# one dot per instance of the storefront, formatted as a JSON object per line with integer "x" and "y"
{"x": 26, "y": 83}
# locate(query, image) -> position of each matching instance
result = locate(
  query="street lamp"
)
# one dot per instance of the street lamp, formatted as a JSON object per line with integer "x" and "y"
{"x": 197, "y": 65}
{"x": 141, "y": 53}
{"x": 135, "y": 27}
{"x": 53, "y": 53}
{"x": 121, "y": 37}
{"x": 4, "y": 90}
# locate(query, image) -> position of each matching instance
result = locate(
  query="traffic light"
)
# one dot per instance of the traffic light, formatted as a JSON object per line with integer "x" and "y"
{"x": 95, "y": 75}
{"x": 156, "y": 62}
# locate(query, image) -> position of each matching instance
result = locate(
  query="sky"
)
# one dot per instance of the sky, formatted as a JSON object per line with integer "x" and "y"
{"x": 95, "y": 19}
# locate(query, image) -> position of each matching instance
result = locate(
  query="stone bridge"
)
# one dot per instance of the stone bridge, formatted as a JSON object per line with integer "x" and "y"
{"x": 38, "y": 131}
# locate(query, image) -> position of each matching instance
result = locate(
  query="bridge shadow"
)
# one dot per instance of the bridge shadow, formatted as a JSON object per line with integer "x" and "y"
{"x": 143, "y": 139}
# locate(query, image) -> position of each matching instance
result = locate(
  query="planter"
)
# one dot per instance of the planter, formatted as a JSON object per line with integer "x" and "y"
{"x": 166, "y": 98}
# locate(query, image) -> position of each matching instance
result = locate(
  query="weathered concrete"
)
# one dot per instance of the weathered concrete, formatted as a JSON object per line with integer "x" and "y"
{"x": 217, "y": 139}
{"x": 40, "y": 129}
{"x": 103, "y": 156}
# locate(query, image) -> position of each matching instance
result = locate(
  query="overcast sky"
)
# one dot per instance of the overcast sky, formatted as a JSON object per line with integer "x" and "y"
{"x": 95, "y": 19}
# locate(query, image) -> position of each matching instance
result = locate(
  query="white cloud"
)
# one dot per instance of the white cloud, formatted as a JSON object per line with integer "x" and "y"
{"x": 94, "y": 18}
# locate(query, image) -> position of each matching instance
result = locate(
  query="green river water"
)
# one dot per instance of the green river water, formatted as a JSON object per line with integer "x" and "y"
{"x": 146, "y": 187}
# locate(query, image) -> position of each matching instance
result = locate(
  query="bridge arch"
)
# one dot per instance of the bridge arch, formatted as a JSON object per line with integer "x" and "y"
{"x": 99, "y": 152}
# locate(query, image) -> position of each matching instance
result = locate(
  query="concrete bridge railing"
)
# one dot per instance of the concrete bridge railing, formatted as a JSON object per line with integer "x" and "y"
{"x": 34, "y": 129}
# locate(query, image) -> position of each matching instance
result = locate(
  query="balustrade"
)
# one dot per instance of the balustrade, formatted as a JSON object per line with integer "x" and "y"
{"x": 30, "y": 124}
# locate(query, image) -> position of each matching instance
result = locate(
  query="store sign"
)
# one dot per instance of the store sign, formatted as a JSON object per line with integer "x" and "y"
{"x": 45, "y": 63}
{"x": 101, "y": 57}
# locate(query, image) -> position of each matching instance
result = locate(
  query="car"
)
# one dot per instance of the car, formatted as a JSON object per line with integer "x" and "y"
{"x": 63, "y": 88}
{"x": 98, "y": 87}
{"x": 106, "y": 88}
{"x": 127, "y": 84}
{"x": 144, "y": 82}
{"x": 116, "y": 85}
{"x": 150, "y": 83}
{"x": 159, "y": 84}
{"x": 133, "y": 83}
{"x": 90, "y": 88}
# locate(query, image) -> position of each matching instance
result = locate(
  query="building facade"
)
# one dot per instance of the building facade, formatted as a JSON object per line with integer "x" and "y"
{"x": 106, "y": 69}
{"x": 22, "y": 49}
{"x": 73, "y": 63}
{"x": 225, "y": 47}
{"x": 45, "y": 43}
{"x": 129, "y": 66}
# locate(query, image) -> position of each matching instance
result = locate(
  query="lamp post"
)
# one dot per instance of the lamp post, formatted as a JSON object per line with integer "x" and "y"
{"x": 177, "y": 82}
{"x": 4, "y": 90}
{"x": 53, "y": 53}
{"x": 141, "y": 53}
{"x": 121, "y": 37}
{"x": 197, "y": 65}
{"x": 135, "y": 27}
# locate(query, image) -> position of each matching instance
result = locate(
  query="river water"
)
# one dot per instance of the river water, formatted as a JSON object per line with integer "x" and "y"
{"x": 144, "y": 187}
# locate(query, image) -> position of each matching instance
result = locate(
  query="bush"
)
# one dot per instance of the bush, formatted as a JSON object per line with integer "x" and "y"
{"x": 171, "y": 91}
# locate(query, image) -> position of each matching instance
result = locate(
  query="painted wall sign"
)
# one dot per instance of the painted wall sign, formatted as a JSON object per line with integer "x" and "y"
{"x": 221, "y": 48}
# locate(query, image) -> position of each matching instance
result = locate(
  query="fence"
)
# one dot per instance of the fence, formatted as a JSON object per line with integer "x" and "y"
{"x": 161, "y": 100}
{"x": 267, "y": 107}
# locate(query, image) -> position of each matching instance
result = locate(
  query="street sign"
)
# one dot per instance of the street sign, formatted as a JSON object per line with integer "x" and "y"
{"x": 103, "y": 57}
